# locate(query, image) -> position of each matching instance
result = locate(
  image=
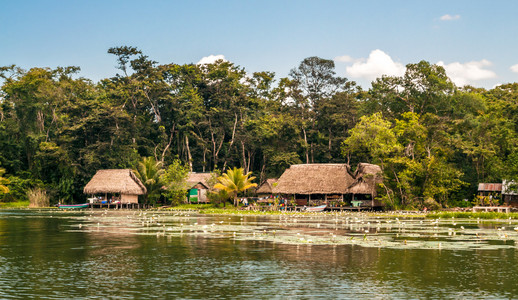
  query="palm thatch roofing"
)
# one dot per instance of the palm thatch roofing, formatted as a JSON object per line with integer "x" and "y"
{"x": 367, "y": 169}
{"x": 198, "y": 178}
{"x": 122, "y": 181}
{"x": 315, "y": 179}
{"x": 267, "y": 186}
{"x": 367, "y": 176}
{"x": 362, "y": 186}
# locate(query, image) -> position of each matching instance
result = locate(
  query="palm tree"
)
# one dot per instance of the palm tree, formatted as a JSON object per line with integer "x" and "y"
{"x": 149, "y": 171}
{"x": 3, "y": 183}
{"x": 234, "y": 182}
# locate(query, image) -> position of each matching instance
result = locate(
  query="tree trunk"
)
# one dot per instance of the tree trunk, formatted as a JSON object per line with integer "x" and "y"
{"x": 189, "y": 157}
{"x": 312, "y": 153}
{"x": 231, "y": 142}
{"x": 215, "y": 147}
{"x": 306, "y": 145}
{"x": 204, "y": 158}
{"x": 263, "y": 168}
{"x": 329, "y": 141}
{"x": 245, "y": 167}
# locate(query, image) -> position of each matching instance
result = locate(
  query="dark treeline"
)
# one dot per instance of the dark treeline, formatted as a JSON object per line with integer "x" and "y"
{"x": 433, "y": 140}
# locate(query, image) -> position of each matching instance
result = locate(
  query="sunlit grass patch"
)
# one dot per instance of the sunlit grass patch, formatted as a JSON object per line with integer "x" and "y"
{"x": 192, "y": 207}
{"x": 17, "y": 204}
{"x": 472, "y": 215}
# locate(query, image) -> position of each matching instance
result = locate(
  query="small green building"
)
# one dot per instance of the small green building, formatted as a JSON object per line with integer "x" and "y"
{"x": 198, "y": 187}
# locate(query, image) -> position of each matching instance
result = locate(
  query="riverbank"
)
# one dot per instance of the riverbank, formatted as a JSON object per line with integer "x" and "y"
{"x": 209, "y": 209}
{"x": 17, "y": 204}
{"x": 230, "y": 210}
{"x": 472, "y": 215}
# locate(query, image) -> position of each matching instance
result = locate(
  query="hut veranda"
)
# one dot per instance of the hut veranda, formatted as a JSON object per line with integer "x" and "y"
{"x": 117, "y": 185}
{"x": 331, "y": 184}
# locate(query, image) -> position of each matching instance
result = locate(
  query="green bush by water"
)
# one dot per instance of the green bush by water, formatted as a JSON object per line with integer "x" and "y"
{"x": 472, "y": 215}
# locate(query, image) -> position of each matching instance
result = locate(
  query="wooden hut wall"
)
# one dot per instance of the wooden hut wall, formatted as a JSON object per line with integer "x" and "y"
{"x": 202, "y": 195}
{"x": 126, "y": 198}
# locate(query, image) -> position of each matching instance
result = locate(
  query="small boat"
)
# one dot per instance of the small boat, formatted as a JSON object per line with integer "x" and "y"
{"x": 84, "y": 205}
{"x": 316, "y": 208}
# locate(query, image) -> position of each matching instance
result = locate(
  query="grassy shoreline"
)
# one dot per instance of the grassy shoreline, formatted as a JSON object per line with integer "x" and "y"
{"x": 472, "y": 215}
{"x": 17, "y": 204}
{"x": 231, "y": 210}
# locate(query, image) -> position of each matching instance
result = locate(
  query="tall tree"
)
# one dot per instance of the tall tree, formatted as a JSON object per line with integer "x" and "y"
{"x": 234, "y": 181}
{"x": 150, "y": 172}
{"x": 423, "y": 88}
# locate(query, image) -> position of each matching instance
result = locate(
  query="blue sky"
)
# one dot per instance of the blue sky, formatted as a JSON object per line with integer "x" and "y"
{"x": 476, "y": 41}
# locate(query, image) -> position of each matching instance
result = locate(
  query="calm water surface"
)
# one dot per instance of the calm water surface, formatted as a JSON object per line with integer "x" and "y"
{"x": 77, "y": 255}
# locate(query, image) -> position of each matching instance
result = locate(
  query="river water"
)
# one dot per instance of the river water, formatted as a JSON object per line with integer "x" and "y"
{"x": 130, "y": 254}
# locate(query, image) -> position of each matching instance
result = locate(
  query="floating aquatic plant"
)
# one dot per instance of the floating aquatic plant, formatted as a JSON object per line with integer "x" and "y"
{"x": 317, "y": 229}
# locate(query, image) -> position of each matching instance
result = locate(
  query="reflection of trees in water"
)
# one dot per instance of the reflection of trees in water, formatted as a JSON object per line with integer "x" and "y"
{"x": 44, "y": 257}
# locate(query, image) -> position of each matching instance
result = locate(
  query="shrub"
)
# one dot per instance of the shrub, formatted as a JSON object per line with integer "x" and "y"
{"x": 431, "y": 204}
{"x": 38, "y": 198}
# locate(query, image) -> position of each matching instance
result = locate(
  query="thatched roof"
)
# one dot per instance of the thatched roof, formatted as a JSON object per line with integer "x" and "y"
{"x": 198, "y": 178}
{"x": 362, "y": 186}
{"x": 122, "y": 181}
{"x": 267, "y": 186}
{"x": 365, "y": 168}
{"x": 367, "y": 176}
{"x": 315, "y": 179}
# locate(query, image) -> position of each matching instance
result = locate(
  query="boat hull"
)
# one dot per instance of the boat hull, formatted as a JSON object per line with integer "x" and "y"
{"x": 84, "y": 205}
{"x": 316, "y": 208}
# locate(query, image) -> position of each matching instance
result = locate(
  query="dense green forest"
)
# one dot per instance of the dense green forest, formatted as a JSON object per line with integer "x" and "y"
{"x": 434, "y": 140}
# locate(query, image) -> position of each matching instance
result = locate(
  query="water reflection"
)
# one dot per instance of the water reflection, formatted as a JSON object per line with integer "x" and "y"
{"x": 49, "y": 255}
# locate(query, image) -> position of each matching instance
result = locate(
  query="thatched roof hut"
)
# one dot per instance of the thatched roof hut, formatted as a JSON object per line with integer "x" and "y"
{"x": 198, "y": 185}
{"x": 307, "y": 179}
{"x": 198, "y": 180}
{"x": 367, "y": 169}
{"x": 267, "y": 186}
{"x": 121, "y": 181}
{"x": 366, "y": 178}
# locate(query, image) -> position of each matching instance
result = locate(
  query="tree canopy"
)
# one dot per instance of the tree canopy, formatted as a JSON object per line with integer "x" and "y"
{"x": 434, "y": 140}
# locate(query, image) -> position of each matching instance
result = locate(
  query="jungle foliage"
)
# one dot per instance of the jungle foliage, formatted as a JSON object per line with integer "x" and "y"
{"x": 434, "y": 140}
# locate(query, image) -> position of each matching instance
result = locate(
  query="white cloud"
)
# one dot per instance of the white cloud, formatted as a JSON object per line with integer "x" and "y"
{"x": 448, "y": 17}
{"x": 465, "y": 73}
{"x": 211, "y": 59}
{"x": 514, "y": 68}
{"x": 379, "y": 63}
{"x": 344, "y": 58}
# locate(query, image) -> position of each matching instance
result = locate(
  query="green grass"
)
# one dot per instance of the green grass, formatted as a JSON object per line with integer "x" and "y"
{"x": 236, "y": 211}
{"x": 17, "y": 204}
{"x": 192, "y": 207}
{"x": 472, "y": 215}
{"x": 229, "y": 209}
